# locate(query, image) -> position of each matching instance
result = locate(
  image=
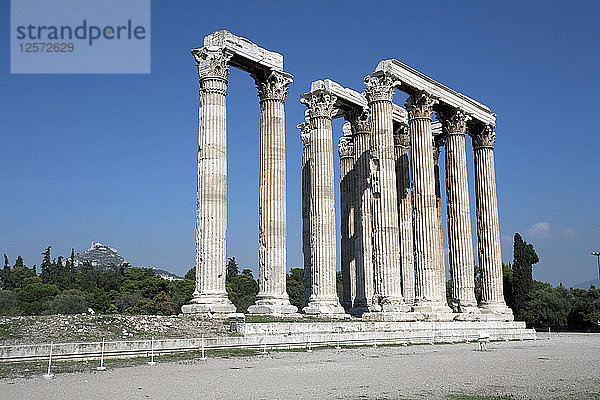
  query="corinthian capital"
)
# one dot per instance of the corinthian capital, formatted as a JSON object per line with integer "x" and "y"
{"x": 402, "y": 136}
{"x": 212, "y": 62}
{"x": 380, "y": 86}
{"x": 420, "y": 105}
{"x": 272, "y": 84}
{"x": 453, "y": 121}
{"x": 319, "y": 102}
{"x": 483, "y": 137}
{"x": 304, "y": 133}
{"x": 346, "y": 147}
{"x": 360, "y": 119}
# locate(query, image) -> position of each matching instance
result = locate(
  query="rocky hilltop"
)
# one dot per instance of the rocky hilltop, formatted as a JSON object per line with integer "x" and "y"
{"x": 103, "y": 257}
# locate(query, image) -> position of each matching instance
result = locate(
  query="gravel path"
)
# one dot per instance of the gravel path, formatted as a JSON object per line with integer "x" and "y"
{"x": 558, "y": 366}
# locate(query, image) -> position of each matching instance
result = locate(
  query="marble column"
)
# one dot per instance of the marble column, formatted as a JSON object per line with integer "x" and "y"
{"x": 438, "y": 142}
{"x": 460, "y": 241}
{"x": 360, "y": 122}
{"x": 430, "y": 295}
{"x": 346, "y": 152}
{"x": 407, "y": 262}
{"x": 386, "y": 239}
{"x": 272, "y": 297}
{"x": 210, "y": 295}
{"x": 305, "y": 138}
{"x": 323, "y": 298}
{"x": 488, "y": 226}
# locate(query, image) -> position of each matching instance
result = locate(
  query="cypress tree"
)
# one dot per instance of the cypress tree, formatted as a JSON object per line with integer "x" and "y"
{"x": 524, "y": 257}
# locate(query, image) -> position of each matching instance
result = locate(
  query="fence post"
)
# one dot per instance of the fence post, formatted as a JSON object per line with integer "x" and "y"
{"x": 101, "y": 367}
{"x": 203, "y": 357}
{"x": 49, "y": 375}
{"x": 151, "y": 362}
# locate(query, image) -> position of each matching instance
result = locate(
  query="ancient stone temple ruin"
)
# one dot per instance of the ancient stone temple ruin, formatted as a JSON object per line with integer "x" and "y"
{"x": 392, "y": 242}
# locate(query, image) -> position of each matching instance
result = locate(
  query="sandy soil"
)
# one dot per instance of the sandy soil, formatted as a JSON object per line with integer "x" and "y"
{"x": 558, "y": 366}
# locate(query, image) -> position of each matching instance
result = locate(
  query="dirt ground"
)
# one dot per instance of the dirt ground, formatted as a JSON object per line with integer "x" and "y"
{"x": 557, "y": 366}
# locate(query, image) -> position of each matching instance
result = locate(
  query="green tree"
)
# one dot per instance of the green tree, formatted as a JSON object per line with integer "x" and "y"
{"x": 98, "y": 300}
{"x": 8, "y": 303}
{"x": 524, "y": 257}
{"x": 145, "y": 282}
{"x": 32, "y": 297}
{"x": 547, "y": 306}
{"x": 191, "y": 274}
{"x": 232, "y": 269}
{"x": 163, "y": 305}
{"x": 46, "y": 266}
{"x": 68, "y": 302}
{"x": 5, "y": 274}
{"x": 295, "y": 287}
{"x": 507, "y": 277}
{"x": 585, "y": 309}
{"x": 181, "y": 291}
{"x": 19, "y": 274}
{"x": 242, "y": 291}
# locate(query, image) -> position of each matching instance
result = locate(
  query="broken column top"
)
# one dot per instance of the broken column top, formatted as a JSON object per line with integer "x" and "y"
{"x": 247, "y": 56}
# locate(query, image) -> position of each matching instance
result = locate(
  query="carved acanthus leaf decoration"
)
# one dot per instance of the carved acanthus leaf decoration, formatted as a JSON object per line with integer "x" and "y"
{"x": 360, "y": 119}
{"x": 304, "y": 133}
{"x": 346, "y": 147}
{"x": 212, "y": 62}
{"x": 319, "y": 102}
{"x": 420, "y": 105}
{"x": 380, "y": 86}
{"x": 484, "y": 137}
{"x": 454, "y": 121}
{"x": 272, "y": 84}
{"x": 402, "y": 136}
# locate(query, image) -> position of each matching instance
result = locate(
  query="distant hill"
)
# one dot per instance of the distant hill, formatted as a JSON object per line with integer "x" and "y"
{"x": 586, "y": 285}
{"x": 103, "y": 257}
{"x": 166, "y": 274}
{"x": 100, "y": 256}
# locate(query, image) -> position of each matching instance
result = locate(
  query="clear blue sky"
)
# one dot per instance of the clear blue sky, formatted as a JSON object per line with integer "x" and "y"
{"x": 112, "y": 158}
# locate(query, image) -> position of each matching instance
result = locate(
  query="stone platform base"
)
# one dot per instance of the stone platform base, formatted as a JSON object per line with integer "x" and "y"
{"x": 405, "y": 332}
{"x": 391, "y": 316}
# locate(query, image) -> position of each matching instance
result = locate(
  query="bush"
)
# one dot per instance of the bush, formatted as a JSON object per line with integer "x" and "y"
{"x": 8, "y": 303}
{"x": 32, "y": 297}
{"x": 68, "y": 302}
{"x": 547, "y": 306}
{"x": 295, "y": 287}
{"x": 242, "y": 290}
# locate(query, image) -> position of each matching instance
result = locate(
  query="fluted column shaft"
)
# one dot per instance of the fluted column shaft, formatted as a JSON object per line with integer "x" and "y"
{"x": 429, "y": 293}
{"x": 460, "y": 242}
{"x": 386, "y": 239}
{"x": 305, "y": 137}
{"x": 438, "y": 142}
{"x": 407, "y": 262}
{"x": 488, "y": 226}
{"x": 211, "y": 222}
{"x": 360, "y": 121}
{"x": 346, "y": 152}
{"x": 272, "y": 297}
{"x": 323, "y": 298}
